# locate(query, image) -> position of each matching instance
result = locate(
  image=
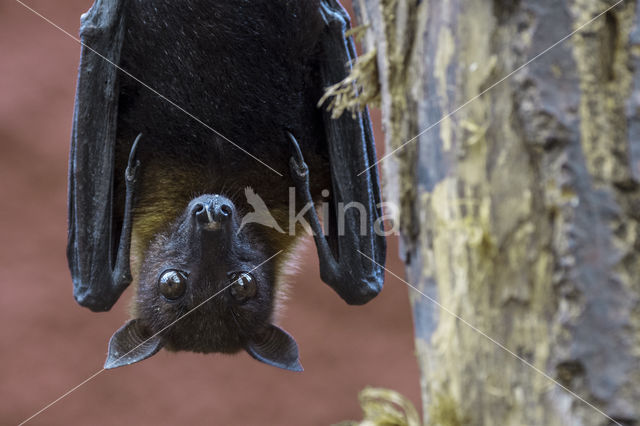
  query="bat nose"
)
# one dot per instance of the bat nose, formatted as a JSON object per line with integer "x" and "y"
{"x": 212, "y": 210}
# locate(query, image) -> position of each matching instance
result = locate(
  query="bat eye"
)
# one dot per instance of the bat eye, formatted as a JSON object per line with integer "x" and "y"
{"x": 244, "y": 287}
{"x": 172, "y": 284}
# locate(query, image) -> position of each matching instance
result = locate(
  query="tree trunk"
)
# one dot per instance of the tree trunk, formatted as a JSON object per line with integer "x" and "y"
{"x": 519, "y": 213}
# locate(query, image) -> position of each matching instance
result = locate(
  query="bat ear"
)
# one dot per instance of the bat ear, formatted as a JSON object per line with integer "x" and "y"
{"x": 276, "y": 347}
{"x": 131, "y": 343}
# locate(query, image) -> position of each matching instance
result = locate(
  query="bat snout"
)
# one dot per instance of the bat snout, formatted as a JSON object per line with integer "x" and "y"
{"x": 212, "y": 211}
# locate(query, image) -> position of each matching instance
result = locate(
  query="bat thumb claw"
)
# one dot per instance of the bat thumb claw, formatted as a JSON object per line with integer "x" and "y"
{"x": 133, "y": 163}
{"x": 299, "y": 169}
{"x": 297, "y": 152}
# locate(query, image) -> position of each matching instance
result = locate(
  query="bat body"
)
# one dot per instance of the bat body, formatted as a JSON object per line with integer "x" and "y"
{"x": 166, "y": 144}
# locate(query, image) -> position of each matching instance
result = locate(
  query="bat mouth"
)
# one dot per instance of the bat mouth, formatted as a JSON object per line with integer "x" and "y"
{"x": 211, "y": 226}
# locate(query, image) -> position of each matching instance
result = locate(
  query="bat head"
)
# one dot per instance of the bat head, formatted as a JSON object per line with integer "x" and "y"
{"x": 202, "y": 288}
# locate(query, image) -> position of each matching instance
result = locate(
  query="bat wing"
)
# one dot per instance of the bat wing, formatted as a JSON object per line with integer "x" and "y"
{"x": 355, "y": 196}
{"x": 98, "y": 262}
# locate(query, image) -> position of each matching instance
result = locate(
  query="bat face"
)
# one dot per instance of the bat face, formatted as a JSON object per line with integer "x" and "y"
{"x": 204, "y": 267}
{"x": 197, "y": 258}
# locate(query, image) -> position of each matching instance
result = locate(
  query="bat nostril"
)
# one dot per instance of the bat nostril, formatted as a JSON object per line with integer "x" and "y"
{"x": 199, "y": 210}
{"x": 211, "y": 211}
{"x": 225, "y": 211}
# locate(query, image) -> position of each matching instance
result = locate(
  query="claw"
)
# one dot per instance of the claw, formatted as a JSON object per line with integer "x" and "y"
{"x": 130, "y": 173}
{"x": 297, "y": 160}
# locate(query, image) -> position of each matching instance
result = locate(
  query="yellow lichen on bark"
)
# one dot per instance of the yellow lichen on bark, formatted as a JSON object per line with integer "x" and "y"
{"x": 602, "y": 59}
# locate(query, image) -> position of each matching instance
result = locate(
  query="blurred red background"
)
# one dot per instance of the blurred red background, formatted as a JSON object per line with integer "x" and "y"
{"x": 50, "y": 344}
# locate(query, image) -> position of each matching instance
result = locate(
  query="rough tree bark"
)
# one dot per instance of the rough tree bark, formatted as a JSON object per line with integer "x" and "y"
{"x": 520, "y": 213}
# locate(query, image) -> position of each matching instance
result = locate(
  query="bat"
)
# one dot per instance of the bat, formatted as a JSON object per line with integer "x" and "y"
{"x": 180, "y": 108}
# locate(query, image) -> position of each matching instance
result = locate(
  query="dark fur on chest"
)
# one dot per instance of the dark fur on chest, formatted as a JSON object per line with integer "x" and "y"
{"x": 244, "y": 68}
